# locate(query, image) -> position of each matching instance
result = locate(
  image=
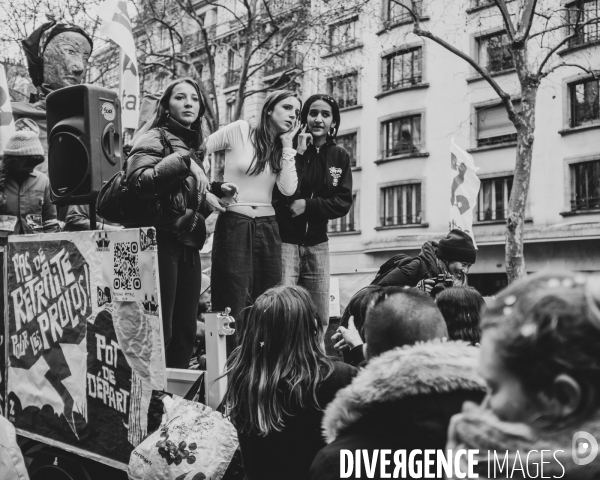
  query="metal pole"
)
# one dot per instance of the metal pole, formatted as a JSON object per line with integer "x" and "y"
{"x": 93, "y": 216}
{"x": 217, "y": 328}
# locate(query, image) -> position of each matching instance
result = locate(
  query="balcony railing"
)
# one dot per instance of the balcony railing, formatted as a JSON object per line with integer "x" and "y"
{"x": 232, "y": 77}
{"x": 589, "y": 203}
{"x": 403, "y": 82}
{"x": 489, "y": 214}
{"x": 401, "y": 149}
{"x": 285, "y": 61}
{"x": 194, "y": 41}
{"x": 401, "y": 220}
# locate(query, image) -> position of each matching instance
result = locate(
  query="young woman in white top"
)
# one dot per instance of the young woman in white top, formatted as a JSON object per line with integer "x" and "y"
{"x": 246, "y": 255}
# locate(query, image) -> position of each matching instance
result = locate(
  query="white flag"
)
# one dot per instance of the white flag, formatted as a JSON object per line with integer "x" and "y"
{"x": 116, "y": 25}
{"x": 464, "y": 189}
{"x": 7, "y": 124}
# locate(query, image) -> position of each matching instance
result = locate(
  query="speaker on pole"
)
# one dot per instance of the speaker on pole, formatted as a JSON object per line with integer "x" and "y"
{"x": 84, "y": 142}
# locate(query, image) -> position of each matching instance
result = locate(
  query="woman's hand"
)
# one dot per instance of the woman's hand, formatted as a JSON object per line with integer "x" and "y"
{"x": 287, "y": 138}
{"x": 214, "y": 202}
{"x": 298, "y": 207}
{"x": 199, "y": 175}
{"x": 229, "y": 189}
{"x": 304, "y": 140}
{"x": 347, "y": 338}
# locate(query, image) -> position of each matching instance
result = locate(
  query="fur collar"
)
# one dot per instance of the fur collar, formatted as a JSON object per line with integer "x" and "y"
{"x": 431, "y": 367}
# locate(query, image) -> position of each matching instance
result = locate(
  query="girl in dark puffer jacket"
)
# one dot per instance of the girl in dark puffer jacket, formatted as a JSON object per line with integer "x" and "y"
{"x": 165, "y": 174}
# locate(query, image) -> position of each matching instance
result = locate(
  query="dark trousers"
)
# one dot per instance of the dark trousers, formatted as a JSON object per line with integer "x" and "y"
{"x": 246, "y": 261}
{"x": 180, "y": 283}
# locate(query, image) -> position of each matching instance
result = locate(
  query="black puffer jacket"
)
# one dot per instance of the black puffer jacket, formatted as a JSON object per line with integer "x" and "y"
{"x": 163, "y": 184}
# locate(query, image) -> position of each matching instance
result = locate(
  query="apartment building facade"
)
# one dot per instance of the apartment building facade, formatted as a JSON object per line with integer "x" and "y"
{"x": 403, "y": 98}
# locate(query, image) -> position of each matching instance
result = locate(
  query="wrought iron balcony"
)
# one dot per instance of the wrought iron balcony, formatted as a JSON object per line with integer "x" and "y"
{"x": 232, "y": 77}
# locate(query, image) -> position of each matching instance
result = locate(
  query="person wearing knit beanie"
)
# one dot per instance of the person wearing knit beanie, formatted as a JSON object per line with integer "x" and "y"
{"x": 25, "y": 205}
{"x": 439, "y": 265}
{"x": 457, "y": 246}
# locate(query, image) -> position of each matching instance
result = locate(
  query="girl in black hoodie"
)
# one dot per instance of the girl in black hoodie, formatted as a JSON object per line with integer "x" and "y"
{"x": 324, "y": 193}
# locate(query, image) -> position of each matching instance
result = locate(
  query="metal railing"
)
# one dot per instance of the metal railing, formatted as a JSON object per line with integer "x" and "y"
{"x": 589, "y": 203}
{"x": 287, "y": 60}
{"x": 403, "y": 82}
{"x": 232, "y": 77}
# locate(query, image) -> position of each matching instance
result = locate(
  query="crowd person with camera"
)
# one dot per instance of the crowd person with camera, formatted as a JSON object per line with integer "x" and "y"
{"x": 165, "y": 175}
{"x": 461, "y": 308}
{"x": 539, "y": 358}
{"x": 246, "y": 254}
{"x": 25, "y": 205}
{"x": 439, "y": 265}
{"x": 324, "y": 193}
{"x": 279, "y": 382}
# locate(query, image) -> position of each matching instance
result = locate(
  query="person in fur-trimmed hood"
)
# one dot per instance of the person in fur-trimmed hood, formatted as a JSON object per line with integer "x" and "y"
{"x": 539, "y": 358}
{"x": 402, "y": 399}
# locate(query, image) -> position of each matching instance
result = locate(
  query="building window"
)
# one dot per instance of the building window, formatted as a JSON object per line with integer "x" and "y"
{"x": 494, "y": 127}
{"x": 344, "y": 89}
{"x": 402, "y": 69}
{"x": 348, "y": 141}
{"x": 232, "y": 75}
{"x": 585, "y": 105}
{"x": 343, "y": 35}
{"x": 229, "y": 111}
{"x": 345, "y": 224}
{"x": 492, "y": 202}
{"x": 493, "y": 52}
{"x": 401, "y": 205}
{"x": 402, "y": 135}
{"x": 580, "y": 14}
{"x": 395, "y": 13}
{"x": 585, "y": 185}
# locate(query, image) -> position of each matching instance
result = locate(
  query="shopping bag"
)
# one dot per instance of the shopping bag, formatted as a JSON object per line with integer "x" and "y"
{"x": 193, "y": 442}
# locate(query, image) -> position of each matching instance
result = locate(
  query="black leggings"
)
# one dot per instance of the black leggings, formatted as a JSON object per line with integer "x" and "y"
{"x": 180, "y": 283}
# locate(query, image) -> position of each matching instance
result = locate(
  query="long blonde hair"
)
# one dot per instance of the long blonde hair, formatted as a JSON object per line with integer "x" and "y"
{"x": 279, "y": 364}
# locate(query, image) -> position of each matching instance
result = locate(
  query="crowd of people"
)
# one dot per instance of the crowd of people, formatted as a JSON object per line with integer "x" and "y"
{"x": 423, "y": 363}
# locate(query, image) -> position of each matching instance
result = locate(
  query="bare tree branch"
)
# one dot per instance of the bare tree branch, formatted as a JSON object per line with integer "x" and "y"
{"x": 510, "y": 28}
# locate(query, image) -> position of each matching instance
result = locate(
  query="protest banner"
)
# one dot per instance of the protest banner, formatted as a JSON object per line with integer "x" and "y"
{"x": 464, "y": 188}
{"x": 84, "y": 331}
{"x": 7, "y": 124}
{"x": 116, "y": 25}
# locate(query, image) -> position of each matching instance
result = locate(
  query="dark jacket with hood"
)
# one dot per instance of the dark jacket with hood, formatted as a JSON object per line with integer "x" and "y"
{"x": 325, "y": 182}
{"x": 411, "y": 271}
{"x": 162, "y": 182}
{"x": 403, "y": 399}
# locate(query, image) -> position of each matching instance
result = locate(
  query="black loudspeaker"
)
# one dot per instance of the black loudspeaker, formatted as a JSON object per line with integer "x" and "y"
{"x": 84, "y": 142}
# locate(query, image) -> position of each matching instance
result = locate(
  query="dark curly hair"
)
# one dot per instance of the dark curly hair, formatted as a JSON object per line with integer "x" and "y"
{"x": 461, "y": 308}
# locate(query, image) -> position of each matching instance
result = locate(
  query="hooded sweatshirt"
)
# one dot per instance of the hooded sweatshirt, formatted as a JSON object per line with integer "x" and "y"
{"x": 325, "y": 182}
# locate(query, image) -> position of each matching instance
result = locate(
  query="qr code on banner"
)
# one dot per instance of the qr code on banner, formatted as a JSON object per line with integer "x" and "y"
{"x": 126, "y": 267}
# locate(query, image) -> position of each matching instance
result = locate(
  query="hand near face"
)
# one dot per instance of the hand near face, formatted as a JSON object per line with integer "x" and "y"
{"x": 287, "y": 138}
{"x": 304, "y": 140}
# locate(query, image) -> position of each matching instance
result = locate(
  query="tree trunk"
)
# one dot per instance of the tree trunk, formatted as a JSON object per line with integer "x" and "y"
{"x": 515, "y": 260}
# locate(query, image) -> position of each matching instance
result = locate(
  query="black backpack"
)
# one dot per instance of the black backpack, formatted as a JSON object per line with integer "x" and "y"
{"x": 394, "y": 262}
{"x": 116, "y": 204}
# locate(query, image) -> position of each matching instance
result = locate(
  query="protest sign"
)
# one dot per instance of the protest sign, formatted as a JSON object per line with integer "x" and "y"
{"x": 464, "y": 188}
{"x": 82, "y": 361}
